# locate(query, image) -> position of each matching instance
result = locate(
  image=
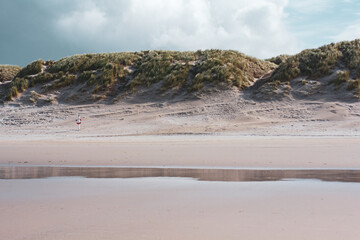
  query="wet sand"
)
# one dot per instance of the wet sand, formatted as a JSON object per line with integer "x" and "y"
{"x": 177, "y": 208}
{"x": 212, "y": 151}
{"x": 180, "y": 207}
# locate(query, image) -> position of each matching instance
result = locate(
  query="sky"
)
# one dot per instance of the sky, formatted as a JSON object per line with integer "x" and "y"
{"x": 52, "y": 29}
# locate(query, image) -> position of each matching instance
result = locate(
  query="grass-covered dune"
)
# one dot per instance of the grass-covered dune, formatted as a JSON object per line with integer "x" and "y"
{"x": 110, "y": 74}
{"x": 315, "y": 63}
{"x": 335, "y": 66}
{"x": 8, "y": 72}
{"x": 331, "y": 71}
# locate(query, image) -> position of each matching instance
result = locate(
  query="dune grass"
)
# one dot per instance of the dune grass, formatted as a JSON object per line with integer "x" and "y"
{"x": 17, "y": 86}
{"x": 194, "y": 70}
{"x": 108, "y": 74}
{"x": 174, "y": 70}
{"x": 341, "y": 77}
{"x": 8, "y": 72}
{"x": 278, "y": 59}
{"x": 31, "y": 69}
{"x": 316, "y": 63}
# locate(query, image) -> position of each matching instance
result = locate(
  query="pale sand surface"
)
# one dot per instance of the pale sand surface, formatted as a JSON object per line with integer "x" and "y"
{"x": 173, "y": 208}
{"x": 211, "y": 151}
{"x": 225, "y": 112}
{"x": 227, "y": 130}
{"x": 222, "y": 129}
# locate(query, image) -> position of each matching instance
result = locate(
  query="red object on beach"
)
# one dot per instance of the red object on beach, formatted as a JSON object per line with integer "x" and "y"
{"x": 78, "y": 121}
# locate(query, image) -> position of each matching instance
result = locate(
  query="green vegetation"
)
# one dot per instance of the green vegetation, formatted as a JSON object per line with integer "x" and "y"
{"x": 31, "y": 69}
{"x": 353, "y": 84}
{"x": 8, "y": 72}
{"x": 315, "y": 63}
{"x": 219, "y": 67}
{"x": 178, "y": 77}
{"x": 99, "y": 76}
{"x": 279, "y": 59}
{"x": 98, "y": 70}
{"x": 102, "y": 74}
{"x": 194, "y": 70}
{"x": 176, "y": 69}
{"x": 17, "y": 86}
{"x": 341, "y": 77}
{"x": 152, "y": 68}
{"x": 350, "y": 54}
{"x": 344, "y": 78}
{"x": 90, "y": 62}
{"x": 64, "y": 81}
{"x": 42, "y": 78}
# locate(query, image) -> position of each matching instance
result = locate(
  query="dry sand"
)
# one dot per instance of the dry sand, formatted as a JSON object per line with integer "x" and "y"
{"x": 226, "y": 112}
{"x": 224, "y": 129}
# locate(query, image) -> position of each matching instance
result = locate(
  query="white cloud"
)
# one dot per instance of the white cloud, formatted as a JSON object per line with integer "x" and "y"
{"x": 349, "y": 33}
{"x": 254, "y": 27}
{"x": 88, "y": 22}
{"x": 310, "y": 6}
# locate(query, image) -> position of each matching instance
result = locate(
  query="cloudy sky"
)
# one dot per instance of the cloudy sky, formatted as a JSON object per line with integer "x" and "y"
{"x": 51, "y": 29}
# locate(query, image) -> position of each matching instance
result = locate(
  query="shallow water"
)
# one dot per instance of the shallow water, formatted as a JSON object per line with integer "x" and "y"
{"x": 210, "y": 174}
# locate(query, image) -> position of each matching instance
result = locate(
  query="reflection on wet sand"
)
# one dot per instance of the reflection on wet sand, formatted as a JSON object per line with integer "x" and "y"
{"x": 234, "y": 175}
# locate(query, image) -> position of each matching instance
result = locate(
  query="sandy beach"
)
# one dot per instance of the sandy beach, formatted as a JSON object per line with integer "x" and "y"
{"x": 164, "y": 208}
{"x": 224, "y": 129}
{"x": 180, "y": 120}
{"x": 221, "y": 133}
{"x": 177, "y": 208}
{"x": 203, "y": 151}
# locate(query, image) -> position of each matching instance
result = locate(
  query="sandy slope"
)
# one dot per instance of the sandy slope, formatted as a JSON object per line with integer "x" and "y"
{"x": 228, "y": 112}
